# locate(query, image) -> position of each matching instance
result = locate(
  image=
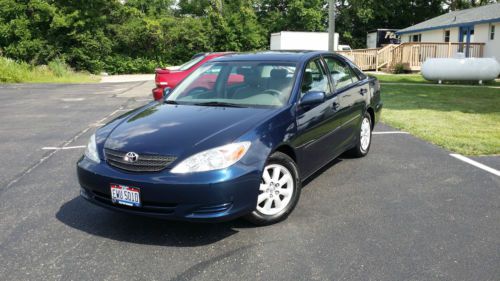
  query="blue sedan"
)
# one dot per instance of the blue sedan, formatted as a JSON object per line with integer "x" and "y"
{"x": 214, "y": 150}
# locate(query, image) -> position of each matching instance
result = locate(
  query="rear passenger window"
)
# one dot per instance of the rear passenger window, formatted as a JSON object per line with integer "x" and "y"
{"x": 315, "y": 78}
{"x": 341, "y": 73}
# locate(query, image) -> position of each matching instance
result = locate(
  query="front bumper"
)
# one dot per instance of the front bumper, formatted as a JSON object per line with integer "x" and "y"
{"x": 207, "y": 197}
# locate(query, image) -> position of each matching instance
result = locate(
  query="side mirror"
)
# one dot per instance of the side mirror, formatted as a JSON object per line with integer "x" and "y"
{"x": 166, "y": 91}
{"x": 312, "y": 98}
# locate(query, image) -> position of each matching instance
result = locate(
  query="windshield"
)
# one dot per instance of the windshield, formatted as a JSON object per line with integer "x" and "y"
{"x": 238, "y": 84}
{"x": 190, "y": 63}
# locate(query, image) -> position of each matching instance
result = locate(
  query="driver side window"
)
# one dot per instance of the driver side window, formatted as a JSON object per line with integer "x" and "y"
{"x": 314, "y": 78}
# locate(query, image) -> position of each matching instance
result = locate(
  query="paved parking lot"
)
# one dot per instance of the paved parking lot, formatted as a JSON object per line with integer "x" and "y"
{"x": 408, "y": 211}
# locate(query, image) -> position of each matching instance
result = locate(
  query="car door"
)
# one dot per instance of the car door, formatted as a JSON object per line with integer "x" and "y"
{"x": 350, "y": 93}
{"x": 316, "y": 125}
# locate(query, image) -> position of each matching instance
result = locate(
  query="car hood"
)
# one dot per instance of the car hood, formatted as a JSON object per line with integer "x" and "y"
{"x": 178, "y": 129}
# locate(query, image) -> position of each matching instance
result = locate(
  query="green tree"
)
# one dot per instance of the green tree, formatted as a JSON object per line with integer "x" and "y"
{"x": 356, "y": 17}
{"x": 234, "y": 26}
{"x": 453, "y": 5}
{"x": 193, "y": 7}
{"x": 293, "y": 15}
{"x": 24, "y": 30}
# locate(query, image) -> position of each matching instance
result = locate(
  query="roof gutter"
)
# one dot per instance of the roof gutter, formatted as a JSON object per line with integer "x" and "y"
{"x": 446, "y": 26}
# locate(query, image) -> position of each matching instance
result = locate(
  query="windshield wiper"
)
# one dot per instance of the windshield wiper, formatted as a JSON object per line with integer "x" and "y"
{"x": 170, "y": 102}
{"x": 218, "y": 103}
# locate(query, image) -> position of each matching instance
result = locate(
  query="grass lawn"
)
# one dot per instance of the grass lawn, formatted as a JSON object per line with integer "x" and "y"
{"x": 419, "y": 79}
{"x": 465, "y": 120}
{"x": 55, "y": 72}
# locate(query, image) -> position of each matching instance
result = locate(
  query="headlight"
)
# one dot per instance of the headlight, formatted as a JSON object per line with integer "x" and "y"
{"x": 213, "y": 159}
{"x": 91, "y": 151}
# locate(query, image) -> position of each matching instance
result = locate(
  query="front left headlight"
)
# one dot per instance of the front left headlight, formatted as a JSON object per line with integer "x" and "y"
{"x": 91, "y": 150}
{"x": 213, "y": 159}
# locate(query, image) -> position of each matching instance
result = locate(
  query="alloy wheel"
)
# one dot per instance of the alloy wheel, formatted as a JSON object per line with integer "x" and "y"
{"x": 365, "y": 134}
{"x": 276, "y": 189}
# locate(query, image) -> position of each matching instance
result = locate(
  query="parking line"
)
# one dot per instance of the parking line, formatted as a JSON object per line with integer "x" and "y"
{"x": 390, "y": 132}
{"x": 63, "y": 148}
{"x": 476, "y": 164}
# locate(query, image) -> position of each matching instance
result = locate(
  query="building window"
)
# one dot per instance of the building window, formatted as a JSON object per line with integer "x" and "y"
{"x": 416, "y": 38}
{"x": 492, "y": 32}
{"x": 446, "y": 36}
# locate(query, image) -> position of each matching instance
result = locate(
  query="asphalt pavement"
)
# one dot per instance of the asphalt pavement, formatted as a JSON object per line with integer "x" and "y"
{"x": 407, "y": 211}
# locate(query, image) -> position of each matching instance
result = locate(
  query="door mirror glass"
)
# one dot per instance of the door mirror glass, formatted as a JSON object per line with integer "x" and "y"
{"x": 166, "y": 91}
{"x": 312, "y": 98}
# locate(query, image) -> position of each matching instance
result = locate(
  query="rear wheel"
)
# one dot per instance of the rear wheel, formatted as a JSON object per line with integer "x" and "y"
{"x": 364, "y": 137}
{"x": 279, "y": 191}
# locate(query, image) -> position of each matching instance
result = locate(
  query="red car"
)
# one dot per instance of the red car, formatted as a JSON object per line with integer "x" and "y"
{"x": 171, "y": 77}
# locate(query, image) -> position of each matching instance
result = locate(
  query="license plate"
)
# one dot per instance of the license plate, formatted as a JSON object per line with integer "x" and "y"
{"x": 125, "y": 195}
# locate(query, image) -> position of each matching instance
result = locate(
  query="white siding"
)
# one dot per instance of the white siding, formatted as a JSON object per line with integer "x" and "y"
{"x": 482, "y": 34}
{"x": 433, "y": 36}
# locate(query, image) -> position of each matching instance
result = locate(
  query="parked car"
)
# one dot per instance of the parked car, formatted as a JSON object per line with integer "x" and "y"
{"x": 170, "y": 77}
{"x": 232, "y": 150}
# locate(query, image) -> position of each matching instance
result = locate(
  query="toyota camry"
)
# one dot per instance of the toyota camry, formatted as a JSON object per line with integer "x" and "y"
{"x": 221, "y": 150}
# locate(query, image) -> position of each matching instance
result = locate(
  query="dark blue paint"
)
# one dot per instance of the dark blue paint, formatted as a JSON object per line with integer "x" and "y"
{"x": 314, "y": 134}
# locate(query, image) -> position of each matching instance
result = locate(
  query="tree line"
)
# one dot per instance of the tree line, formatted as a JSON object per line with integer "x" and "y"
{"x": 138, "y": 35}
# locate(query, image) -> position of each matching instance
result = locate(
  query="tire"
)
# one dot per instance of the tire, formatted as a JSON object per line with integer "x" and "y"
{"x": 285, "y": 190}
{"x": 364, "y": 138}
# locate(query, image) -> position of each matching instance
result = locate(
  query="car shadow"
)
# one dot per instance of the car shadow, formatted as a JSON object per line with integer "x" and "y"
{"x": 84, "y": 216}
{"x": 322, "y": 170}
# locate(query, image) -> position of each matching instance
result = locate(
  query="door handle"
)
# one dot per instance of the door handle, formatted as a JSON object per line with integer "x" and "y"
{"x": 363, "y": 91}
{"x": 335, "y": 105}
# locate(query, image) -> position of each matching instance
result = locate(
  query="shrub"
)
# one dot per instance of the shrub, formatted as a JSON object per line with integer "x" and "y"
{"x": 12, "y": 71}
{"x": 59, "y": 67}
{"x": 124, "y": 64}
{"x": 399, "y": 69}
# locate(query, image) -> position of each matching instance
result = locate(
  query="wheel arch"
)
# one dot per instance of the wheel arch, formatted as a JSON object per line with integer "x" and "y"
{"x": 288, "y": 150}
{"x": 372, "y": 116}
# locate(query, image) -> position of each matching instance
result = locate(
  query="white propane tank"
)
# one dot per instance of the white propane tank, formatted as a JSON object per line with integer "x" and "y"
{"x": 461, "y": 69}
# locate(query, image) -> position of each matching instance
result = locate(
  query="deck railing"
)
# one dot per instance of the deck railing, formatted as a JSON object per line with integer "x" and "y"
{"x": 363, "y": 58}
{"x": 410, "y": 55}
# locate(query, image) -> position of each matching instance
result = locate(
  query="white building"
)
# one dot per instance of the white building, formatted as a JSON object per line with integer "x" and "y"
{"x": 476, "y": 25}
{"x": 294, "y": 40}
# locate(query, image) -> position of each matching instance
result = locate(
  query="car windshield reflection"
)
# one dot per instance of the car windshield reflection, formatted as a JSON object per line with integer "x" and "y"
{"x": 243, "y": 84}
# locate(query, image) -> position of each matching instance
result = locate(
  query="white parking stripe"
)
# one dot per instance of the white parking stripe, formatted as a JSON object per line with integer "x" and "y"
{"x": 62, "y": 148}
{"x": 477, "y": 164}
{"x": 390, "y": 132}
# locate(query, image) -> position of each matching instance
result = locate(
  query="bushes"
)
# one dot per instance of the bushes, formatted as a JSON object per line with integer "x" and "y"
{"x": 59, "y": 68}
{"x": 122, "y": 64}
{"x": 399, "y": 69}
{"x": 11, "y": 71}
{"x": 137, "y": 36}
{"x": 56, "y": 71}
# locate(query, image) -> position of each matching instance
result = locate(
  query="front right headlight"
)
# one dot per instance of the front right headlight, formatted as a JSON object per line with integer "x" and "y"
{"x": 213, "y": 159}
{"x": 91, "y": 151}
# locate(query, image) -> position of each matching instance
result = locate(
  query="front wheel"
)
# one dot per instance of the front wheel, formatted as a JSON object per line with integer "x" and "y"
{"x": 279, "y": 190}
{"x": 364, "y": 139}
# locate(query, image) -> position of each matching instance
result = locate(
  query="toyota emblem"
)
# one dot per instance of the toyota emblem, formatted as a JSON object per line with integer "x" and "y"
{"x": 131, "y": 157}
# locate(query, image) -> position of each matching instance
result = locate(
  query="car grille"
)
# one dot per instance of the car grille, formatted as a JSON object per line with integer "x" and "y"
{"x": 145, "y": 162}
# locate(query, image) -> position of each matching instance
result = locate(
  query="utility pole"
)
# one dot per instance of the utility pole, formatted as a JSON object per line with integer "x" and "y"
{"x": 331, "y": 25}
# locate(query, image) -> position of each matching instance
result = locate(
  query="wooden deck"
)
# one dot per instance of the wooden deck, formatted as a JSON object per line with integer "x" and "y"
{"x": 410, "y": 55}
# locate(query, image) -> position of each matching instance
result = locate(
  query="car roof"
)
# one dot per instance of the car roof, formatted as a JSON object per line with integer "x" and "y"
{"x": 285, "y": 55}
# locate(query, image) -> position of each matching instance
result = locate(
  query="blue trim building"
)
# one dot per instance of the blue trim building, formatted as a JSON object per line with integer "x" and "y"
{"x": 475, "y": 25}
